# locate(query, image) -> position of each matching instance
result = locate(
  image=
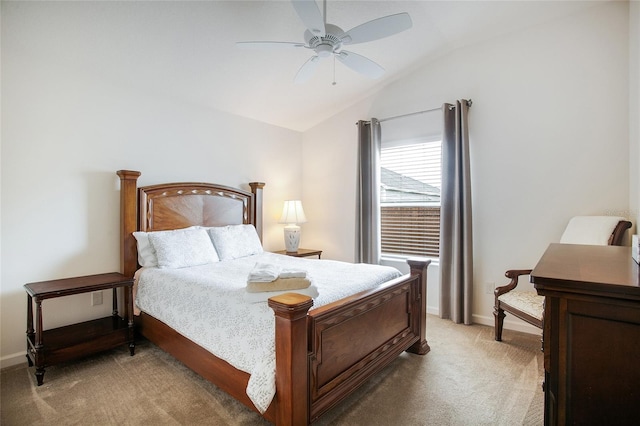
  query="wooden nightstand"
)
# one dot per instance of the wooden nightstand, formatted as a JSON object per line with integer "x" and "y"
{"x": 49, "y": 347}
{"x": 301, "y": 253}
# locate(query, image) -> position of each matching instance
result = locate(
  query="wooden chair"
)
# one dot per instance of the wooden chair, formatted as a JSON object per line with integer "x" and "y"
{"x": 527, "y": 305}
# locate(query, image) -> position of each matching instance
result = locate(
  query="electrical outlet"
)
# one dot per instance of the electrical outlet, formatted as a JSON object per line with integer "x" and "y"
{"x": 489, "y": 287}
{"x": 96, "y": 298}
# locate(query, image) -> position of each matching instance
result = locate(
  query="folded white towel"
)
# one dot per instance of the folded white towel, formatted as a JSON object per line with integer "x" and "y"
{"x": 264, "y": 273}
{"x": 278, "y": 285}
{"x": 293, "y": 273}
{"x": 311, "y": 291}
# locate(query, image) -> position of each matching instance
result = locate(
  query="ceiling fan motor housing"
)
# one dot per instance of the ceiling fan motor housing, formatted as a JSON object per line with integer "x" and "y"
{"x": 330, "y": 43}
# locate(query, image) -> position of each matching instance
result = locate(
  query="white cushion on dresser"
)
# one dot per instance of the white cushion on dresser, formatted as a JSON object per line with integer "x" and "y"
{"x": 526, "y": 301}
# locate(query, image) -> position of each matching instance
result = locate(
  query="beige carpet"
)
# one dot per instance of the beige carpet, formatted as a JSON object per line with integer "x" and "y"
{"x": 466, "y": 379}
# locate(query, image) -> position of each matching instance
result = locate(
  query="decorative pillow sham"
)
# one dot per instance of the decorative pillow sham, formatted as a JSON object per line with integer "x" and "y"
{"x": 182, "y": 248}
{"x": 235, "y": 241}
{"x": 146, "y": 254}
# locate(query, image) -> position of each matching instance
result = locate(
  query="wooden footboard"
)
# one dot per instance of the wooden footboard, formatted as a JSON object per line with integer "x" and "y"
{"x": 347, "y": 342}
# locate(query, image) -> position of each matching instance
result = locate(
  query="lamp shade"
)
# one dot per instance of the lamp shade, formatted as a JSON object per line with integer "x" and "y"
{"x": 292, "y": 212}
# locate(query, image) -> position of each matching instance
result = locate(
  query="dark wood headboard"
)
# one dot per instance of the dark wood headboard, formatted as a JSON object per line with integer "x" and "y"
{"x": 179, "y": 205}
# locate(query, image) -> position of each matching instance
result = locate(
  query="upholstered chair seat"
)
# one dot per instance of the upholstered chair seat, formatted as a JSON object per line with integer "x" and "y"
{"x": 526, "y": 301}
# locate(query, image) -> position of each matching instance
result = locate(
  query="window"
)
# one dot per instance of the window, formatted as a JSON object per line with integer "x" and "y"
{"x": 410, "y": 177}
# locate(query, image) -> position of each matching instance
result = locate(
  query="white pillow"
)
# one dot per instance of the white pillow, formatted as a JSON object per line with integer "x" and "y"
{"x": 183, "y": 248}
{"x": 146, "y": 255}
{"x": 234, "y": 241}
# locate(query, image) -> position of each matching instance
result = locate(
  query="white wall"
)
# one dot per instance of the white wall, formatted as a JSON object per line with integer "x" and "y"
{"x": 549, "y": 130}
{"x": 68, "y": 126}
{"x": 550, "y": 139}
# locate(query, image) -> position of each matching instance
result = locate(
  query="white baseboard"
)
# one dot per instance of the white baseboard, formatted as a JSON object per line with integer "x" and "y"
{"x": 13, "y": 359}
{"x": 433, "y": 310}
{"x": 515, "y": 324}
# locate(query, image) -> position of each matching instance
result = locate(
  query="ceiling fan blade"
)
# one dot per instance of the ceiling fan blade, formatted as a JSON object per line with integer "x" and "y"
{"x": 306, "y": 70}
{"x": 360, "y": 64}
{"x": 268, "y": 45}
{"x": 310, "y": 14}
{"x": 378, "y": 28}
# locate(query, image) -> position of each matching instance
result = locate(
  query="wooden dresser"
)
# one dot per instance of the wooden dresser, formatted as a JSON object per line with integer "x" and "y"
{"x": 591, "y": 334}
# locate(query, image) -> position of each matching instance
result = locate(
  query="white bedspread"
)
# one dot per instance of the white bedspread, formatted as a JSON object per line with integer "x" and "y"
{"x": 206, "y": 304}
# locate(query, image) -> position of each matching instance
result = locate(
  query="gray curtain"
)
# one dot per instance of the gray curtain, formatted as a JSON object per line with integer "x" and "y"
{"x": 456, "y": 245}
{"x": 368, "y": 195}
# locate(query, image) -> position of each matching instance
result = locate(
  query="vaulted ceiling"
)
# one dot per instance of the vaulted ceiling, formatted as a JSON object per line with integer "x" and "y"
{"x": 188, "y": 49}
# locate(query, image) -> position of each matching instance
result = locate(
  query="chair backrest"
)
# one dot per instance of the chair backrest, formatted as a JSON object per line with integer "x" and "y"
{"x": 595, "y": 230}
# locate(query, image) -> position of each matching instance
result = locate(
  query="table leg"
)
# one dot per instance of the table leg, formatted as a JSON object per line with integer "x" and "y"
{"x": 115, "y": 303}
{"x": 30, "y": 332}
{"x": 38, "y": 344}
{"x": 40, "y": 376}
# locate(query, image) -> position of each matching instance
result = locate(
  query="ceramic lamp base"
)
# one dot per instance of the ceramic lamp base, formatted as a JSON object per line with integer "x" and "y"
{"x": 292, "y": 238}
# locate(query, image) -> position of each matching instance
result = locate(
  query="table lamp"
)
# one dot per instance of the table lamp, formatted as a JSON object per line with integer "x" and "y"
{"x": 292, "y": 215}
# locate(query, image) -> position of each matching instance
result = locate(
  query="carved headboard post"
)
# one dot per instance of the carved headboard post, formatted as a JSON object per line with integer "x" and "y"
{"x": 256, "y": 189}
{"x": 128, "y": 221}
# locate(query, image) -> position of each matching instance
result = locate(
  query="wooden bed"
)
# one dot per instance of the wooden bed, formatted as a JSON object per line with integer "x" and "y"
{"x": 322, "y": 354}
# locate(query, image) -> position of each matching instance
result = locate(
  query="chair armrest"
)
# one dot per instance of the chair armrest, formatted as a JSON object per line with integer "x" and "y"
{"x": 513, "y": 274}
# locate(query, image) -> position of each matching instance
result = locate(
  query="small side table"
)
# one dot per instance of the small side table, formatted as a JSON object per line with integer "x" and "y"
{"x": 301, "y": 253}
{"x": 49, "y": 347}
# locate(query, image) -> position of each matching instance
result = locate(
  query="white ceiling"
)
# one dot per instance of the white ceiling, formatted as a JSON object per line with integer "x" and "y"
{"x": 188, "y": 50}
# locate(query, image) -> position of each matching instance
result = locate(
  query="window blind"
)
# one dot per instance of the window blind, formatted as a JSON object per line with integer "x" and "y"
{"x": 410, "y": 231}
{"x": 410, "y": 198}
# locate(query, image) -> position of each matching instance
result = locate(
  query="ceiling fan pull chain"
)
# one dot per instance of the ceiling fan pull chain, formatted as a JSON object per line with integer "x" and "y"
{"x": 334, "y": 71}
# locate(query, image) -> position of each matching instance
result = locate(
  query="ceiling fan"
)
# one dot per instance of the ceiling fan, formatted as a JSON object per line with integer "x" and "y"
{"x": 327, "y": 40}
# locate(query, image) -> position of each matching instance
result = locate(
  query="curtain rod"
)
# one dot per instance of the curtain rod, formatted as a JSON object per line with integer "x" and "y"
{"x": 469, "y": 102}
{"x": 409, "y": 114}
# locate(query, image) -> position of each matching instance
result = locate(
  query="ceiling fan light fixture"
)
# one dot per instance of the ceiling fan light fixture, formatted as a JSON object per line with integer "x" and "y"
{"x": 324, "y": 50}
